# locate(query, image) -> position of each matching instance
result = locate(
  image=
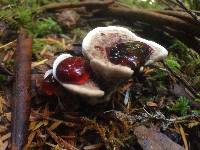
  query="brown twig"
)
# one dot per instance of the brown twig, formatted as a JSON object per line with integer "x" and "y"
{"x": 60, "y": 141}
{"x": 92, "y": 4}
{"x": 171, "y": 11}
{"x": 136, "y": 14}
{"x": 21, "y": 92}
{"x": 178, "y": 14}
{"x": 185, "y": 9}
{"x": 197, "y": 13}
{"x": 37, "y": 116}
{"x": 181, "y": 15}
{"x": 188, "y": 11}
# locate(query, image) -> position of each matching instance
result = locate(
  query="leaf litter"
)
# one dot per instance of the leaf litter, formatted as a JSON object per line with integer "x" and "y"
{"x": 164, "y": 98}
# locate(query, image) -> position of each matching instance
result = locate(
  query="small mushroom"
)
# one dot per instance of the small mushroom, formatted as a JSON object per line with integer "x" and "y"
{"x": 110, "y": 54}
{"x": 71, "y": 72}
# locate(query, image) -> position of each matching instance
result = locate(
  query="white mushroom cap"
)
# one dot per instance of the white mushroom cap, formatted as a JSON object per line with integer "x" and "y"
{"x": 87, "y": 89}
{"x": 95, "y": 42}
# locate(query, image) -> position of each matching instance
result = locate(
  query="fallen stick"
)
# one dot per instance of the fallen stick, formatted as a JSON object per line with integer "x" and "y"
{"x": 21, "y": 91}
{"x": 183, "y": 8}
{"x": 193, "y": 15}
{"x": 181, "y": 15}
{"x": 175, "y": 13}
{"x": 61, "y": 5}
{"x": 60, "y": 141}
{"x": 136, "y": 14}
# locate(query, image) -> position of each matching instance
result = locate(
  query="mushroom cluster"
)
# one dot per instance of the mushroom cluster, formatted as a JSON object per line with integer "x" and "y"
{"x": 112, "y": 54}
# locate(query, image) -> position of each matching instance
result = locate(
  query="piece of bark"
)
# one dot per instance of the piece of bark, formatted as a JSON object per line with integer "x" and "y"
{"x": 150, "y": 139}
{"x": 21, "y": 91}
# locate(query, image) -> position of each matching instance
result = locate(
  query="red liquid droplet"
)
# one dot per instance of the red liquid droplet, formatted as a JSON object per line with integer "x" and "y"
{"x": 73, "y": 70}
{"x": 49, "y": 85}
{"x": 132, "y": 54}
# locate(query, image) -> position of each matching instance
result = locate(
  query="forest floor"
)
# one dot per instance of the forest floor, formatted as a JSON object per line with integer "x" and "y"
{"x": 156, "y": 109}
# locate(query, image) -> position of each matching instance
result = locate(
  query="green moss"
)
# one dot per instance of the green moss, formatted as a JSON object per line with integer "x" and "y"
{"x": 184, "y": 53}
{"x": 196, "y": 111}
{"x": 2, "y": 77}
{"x": 192, "y": 4}
{"x": 181, "y": 106}
{"x": 44, "y": 27}
{"x": 159, "y": 74}
{"x": 23, "y": 14}
{"x": 79, "y": 32}
{"x": 185, "y": 59}
{"x": 38, "y": 45}
{"x": 173, "y": 63}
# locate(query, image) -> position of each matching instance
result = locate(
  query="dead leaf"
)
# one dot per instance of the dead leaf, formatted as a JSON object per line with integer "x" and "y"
{"x": 149, "y": 139}
{"x": 67, "y": 17}
{"x": 151, "y": 104}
